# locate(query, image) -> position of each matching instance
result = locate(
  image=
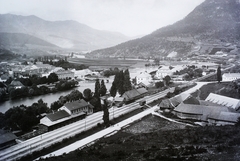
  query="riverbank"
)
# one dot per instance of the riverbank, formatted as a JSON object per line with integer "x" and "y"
{"x": 48, "y": 98}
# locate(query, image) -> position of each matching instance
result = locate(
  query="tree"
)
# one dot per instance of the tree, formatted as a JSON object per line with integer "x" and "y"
{"x": 167, "y": 79}
{"x": 105, "y": 113}
{"x": 219, "y": 74}
{"x": 97, "y": 88}
{"x": 157, "y": 61}
{"x": 126, "y": 82}
{"x": 159, "y": 84}
{"x": 52, "y": 78}
{"x": 87, "y": 94}
{"x": 120, "y": 83}
{"x": 103, "y": 89}
{"x": 113, "y": 90}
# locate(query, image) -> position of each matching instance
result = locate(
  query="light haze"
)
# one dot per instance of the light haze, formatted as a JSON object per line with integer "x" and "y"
{"x": 130, "y": 17}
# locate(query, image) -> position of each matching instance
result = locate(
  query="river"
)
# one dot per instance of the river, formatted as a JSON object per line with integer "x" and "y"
{"x": 48, "y": 98}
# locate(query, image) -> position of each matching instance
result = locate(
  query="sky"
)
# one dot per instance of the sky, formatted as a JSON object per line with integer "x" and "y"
{"x": 129, "y": 17}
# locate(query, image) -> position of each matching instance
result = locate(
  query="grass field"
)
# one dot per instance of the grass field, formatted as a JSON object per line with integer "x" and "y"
{"x": 104, "y": 62}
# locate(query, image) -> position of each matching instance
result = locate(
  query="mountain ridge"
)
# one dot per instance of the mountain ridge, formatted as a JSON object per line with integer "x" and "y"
{"x": 212, "y": 20}
{"x": 68, "y": 34}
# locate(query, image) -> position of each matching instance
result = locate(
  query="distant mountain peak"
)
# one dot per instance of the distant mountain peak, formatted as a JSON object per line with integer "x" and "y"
{"x": 66, "y": 34}
{"x": 215, "y": 20}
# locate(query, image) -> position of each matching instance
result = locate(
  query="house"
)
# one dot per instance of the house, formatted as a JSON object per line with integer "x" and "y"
{"x": 230, "y": 76}
{"x": 134, "y": 94}
{"x": 65, "y": 74}
{"x": 78, "y": 106}
{"x": 224, "y": 101}
{"x": 58, "y": 119}
{"x": 16, "y": 84}
{"x": 7, "y": 139}
{"x": 163, "y": 71}
{"x": 174, "y": 101}
{"x": 144, "y": 78}
{"x": 81, "y": 74}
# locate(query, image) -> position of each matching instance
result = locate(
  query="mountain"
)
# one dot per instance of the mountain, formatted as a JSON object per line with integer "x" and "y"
{"x": 22, "y": 40}
{"x": 212, "y": 20}
{"x": 65, "y": 34}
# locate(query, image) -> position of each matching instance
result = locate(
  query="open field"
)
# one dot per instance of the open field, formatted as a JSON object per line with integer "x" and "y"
{"x": 104, "y": 62}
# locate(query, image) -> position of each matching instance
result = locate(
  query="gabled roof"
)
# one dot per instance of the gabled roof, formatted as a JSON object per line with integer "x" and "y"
{"x": 191, "y": 100}
{"x": 76, "y": 104}
{"x": 16, "y": 83}
{"x": 176, "y": 100}
{"x": 223, "y": 100}
{"x": 235, "y": 75}
{"x": 57, "y": 115}
{"x": 166, "y": 104}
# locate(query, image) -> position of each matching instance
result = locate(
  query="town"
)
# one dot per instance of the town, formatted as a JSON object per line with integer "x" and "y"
{"x": 120, "y": 80}
{"x": 108, "y": 87}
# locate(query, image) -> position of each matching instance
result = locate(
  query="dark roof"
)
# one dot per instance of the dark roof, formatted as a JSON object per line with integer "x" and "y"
{"x": 76, "y": 104}
{"x": 191, "y": 100}
{"x": 57, "y": 115}
{"x": 6, "y": 137}
{"x": 228, "y": 116}
{"x": 212, "y": 111}
{"x": 165, "y": 104}
{"x": 131, "y": 94}
{"x": 142, "y": 90}
{"x": 16, "y": 83}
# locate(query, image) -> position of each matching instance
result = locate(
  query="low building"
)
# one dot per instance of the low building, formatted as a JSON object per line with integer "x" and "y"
{"x": 230, "y": 76}
{"x": 7, "y": 139}
{"x": 224, "y": 101}
{"x": 198, "y": 112}
{"x": 163, "y": 71}
{"x": 134, "y": 94}
{"x": 16, "y": 84}
{"x": 58, "y": 119}
{"x": 223, "y": 118}
{"x": 65, "y": 74}
{"x": 78, "y": 107}
{"x": 144, "y": 78}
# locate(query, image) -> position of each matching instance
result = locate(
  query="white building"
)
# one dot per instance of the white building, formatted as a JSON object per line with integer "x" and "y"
{"x": 82, "y": 73}
{"x": 144, "y": 78}
{"x": 168, "y": 70}
{"x": 65, "y": 74}
{"x": 230, "y": 76}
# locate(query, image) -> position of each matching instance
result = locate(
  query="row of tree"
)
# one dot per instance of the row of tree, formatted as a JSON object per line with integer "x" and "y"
{"x": 35, "y": 80}
{"x": 23, "y": 117}
{"x": 34, "y": 90}
{"x": 121, "y": 83}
